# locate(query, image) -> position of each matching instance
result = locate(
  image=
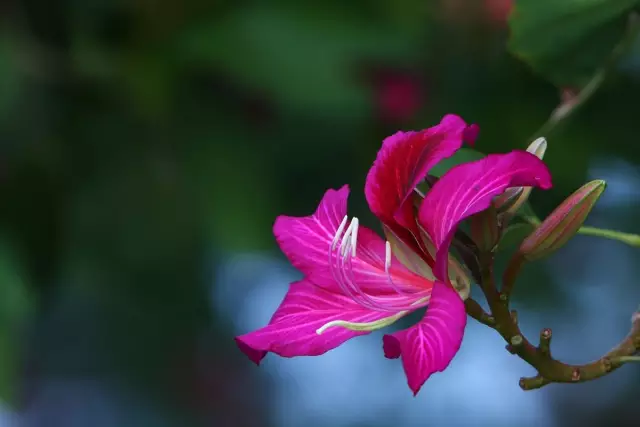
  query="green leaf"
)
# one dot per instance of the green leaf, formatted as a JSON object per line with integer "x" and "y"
{"x": 566, "y": 41}
{"x": 463, "y": 155}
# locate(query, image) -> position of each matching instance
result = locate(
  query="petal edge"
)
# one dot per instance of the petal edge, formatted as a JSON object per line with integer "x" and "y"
{"x": 430, "y": 345}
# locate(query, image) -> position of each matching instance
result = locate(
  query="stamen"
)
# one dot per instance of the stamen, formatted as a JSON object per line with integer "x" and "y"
{"x": 346, "y": 239}
{"x": 338, "y": 233}
{"x": 337, "y": 270}
{"x": 354, "y": 234}
{"x": 387, "y": 266}
{"x": 362, "y": 298}
{"x": 340, "y": 262}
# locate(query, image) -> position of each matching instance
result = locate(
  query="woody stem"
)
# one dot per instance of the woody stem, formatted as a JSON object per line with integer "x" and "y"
{"x": 549, "y": 369}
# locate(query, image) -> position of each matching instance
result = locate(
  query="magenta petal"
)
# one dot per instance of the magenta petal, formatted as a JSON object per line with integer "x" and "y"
{"x": 468, "y": 189}
{"x": 307, "y": 240}
{"x": 292, "y": 330}
{"x": 470, "y": 134}
{"x": 430, "y": 345}
{"x": 403, "y": 161}
{"x": 391, "y": 347}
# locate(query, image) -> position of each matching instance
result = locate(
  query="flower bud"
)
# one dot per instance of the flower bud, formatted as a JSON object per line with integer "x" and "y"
{"x": 563, "y": 222}
{"x": 538, "y": 147}
{"x": 513, "y": 198}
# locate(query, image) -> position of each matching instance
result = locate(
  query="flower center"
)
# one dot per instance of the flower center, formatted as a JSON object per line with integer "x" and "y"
{"x": 388, "y": 296}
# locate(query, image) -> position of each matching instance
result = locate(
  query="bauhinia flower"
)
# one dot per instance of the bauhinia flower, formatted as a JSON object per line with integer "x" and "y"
{"x": 356, "y": 282}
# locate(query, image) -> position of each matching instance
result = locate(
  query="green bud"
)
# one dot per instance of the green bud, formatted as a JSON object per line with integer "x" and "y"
{"x": 563, "y": 222}
{"x": 513, "y": 198}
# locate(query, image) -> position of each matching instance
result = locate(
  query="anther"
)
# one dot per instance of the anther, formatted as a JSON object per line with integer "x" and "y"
{"x": 346, "y": 240}
{"x": 334, "y": 243}
{"x": 354, "y": 236}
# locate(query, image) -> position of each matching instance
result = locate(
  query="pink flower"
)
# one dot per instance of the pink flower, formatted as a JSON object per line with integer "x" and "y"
{"x": 355, "y": 282}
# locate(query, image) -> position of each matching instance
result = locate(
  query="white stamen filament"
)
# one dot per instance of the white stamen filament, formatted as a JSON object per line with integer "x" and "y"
{"x": 338, "y": 233}
{"x": 346, "y": 239}
{"x": 354, "y": 235}
{"x": 387, "y": 267}
{"x": 340, "y": 260}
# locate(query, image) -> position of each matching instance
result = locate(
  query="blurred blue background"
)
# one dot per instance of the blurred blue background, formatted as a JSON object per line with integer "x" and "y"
{"x": 146, "y": 148}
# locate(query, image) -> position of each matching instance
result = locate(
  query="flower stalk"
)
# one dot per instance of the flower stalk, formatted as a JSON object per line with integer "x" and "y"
{"x": 550, "y": 370}
{"x": 503, "y": 319}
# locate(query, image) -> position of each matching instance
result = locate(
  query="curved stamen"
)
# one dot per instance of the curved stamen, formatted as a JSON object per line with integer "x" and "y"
{"x": 338, "y": 268}
{"x": 338, "y": 234}
{"x": 387, "y": 267}
{"x": 374, "y": 303}
{"x": 345, "y": 271}
{"x": 341, "y": 267}
{"x": 346, "y": 268}
{"x": 334, "y": 257}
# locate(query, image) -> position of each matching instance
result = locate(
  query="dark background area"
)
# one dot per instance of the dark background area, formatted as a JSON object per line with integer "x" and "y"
{"x": 146, "y": 148}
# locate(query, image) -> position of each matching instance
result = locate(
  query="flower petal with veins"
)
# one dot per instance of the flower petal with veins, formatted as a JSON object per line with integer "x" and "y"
{"x": 430, "y": 345}
{"x": 293, "y": 328}
{"x": 469, "y": 188}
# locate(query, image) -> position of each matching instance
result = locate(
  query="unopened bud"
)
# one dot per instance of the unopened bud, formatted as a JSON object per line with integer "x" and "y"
{"x": 563, "y": 223}
{"x": 538, "y": 147}
{"x": 513, "y": 198}
{"x": 485, "y": 231}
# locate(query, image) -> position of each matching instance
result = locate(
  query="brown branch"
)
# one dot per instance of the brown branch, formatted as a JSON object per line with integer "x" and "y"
{"x": 549, "y": 369}
{"x": 510, "y": 275}
{"x": 477, "y": 312}
{"x": 505, "y": 321}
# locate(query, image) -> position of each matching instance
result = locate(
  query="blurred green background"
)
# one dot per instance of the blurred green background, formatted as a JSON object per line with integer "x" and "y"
{"x": 146, "y": 145}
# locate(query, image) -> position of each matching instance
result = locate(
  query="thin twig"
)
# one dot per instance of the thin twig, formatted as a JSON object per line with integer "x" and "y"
{"x": 549, "y": 369}
{"x": 477, "y": 312}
